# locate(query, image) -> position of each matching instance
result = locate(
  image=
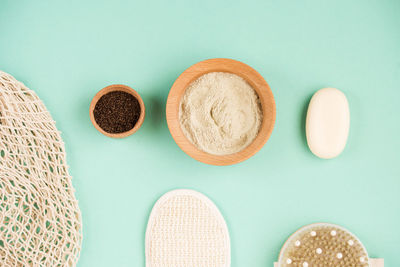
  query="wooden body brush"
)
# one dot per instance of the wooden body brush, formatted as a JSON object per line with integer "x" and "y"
{"x": 325, "y": 245}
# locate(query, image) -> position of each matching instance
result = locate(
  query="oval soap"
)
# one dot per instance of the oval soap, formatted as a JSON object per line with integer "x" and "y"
{"x": 328, "y": 123}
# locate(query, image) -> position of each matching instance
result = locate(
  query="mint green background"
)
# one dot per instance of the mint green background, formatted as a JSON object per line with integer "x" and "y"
{"x": 68, "y": 50}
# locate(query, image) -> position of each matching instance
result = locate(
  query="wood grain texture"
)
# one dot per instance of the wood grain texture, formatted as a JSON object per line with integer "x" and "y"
{"x": 123, "y": 88}
{"x": 221, "y": 65}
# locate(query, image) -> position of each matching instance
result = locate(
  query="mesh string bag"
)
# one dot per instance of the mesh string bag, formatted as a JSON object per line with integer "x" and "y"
{"x": 186, "y": 229}
{"x": 40, "y": 222}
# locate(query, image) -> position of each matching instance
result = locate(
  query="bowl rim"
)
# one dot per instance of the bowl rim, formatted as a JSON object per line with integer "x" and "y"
{"x": 221, "y": 65}
{"x": 112, "y": 88}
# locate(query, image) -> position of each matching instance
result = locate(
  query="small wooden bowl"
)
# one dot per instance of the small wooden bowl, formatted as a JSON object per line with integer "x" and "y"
{"x": 220, "y": 65}
{"x": 123, "y": 88}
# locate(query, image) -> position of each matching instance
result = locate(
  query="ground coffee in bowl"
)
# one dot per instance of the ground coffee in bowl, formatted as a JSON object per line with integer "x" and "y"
{"x": 117, "y": 111}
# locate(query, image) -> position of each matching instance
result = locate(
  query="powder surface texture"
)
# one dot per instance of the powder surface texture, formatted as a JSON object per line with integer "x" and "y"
{"x": 220, "y": 113}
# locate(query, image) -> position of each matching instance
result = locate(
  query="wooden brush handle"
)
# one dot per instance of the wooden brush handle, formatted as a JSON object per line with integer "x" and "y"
{"x": 377, "y": 262}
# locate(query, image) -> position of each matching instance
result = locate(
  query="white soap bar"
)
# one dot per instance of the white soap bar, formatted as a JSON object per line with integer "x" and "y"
{"x": 327, "y": 123}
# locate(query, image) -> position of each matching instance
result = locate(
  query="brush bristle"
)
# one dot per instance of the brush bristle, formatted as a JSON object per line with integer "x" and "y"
{"x": 323, "y": 245}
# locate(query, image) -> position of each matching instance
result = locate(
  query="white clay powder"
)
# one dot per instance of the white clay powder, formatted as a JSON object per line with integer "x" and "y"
{"x": 220, "y": 113}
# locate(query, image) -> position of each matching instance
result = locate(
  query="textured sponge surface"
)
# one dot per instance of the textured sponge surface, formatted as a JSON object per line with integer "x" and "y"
{"x": 186, "y": 229}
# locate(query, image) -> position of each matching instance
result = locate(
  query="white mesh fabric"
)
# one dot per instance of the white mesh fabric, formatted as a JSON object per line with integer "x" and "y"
{"x": 40, "y": 223}
{"x": 186, "y": 229}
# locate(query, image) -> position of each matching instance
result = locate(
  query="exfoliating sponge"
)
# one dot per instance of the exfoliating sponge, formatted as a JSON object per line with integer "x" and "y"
{"x": 40, "y": 221}
{"x": 186, "y": 229}
{"x": 323, "y": 244}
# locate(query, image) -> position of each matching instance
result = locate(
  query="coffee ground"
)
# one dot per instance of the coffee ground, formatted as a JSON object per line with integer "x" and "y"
{"x": 117, "y": 112}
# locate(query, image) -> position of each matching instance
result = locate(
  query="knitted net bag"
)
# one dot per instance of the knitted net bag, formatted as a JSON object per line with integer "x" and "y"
{"x": 40, "y": 223}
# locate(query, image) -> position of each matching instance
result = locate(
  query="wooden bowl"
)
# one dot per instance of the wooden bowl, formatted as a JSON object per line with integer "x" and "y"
{"x": 220, "y": 65}
{"x": 123, "y": 88}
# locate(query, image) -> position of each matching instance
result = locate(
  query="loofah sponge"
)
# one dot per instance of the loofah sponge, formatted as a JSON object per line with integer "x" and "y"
{"x": 323, "y": 244}
{"x": 185, "y": 229}
{"x": 40, "y": 223}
